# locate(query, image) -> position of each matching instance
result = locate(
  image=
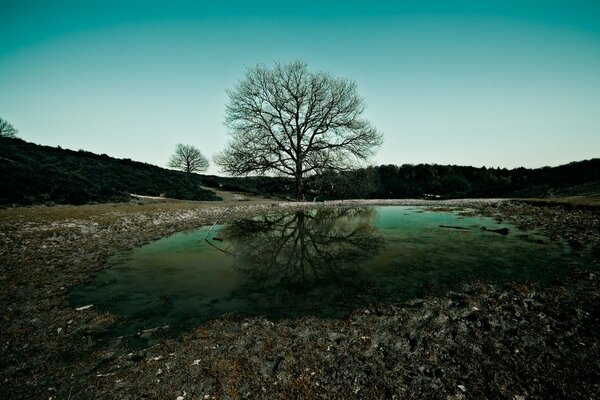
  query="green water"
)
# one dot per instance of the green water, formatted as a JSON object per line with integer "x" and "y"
{"x": 323, "y": 263}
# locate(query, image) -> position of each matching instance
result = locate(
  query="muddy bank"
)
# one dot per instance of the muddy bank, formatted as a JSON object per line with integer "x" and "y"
{"x": 526, "y": 341}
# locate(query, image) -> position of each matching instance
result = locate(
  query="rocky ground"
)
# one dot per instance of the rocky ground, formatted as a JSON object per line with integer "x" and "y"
{"x": 525, "y": 341}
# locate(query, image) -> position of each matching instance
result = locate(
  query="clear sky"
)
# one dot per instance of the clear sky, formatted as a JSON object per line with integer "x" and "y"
{"x": 470, "y": 83}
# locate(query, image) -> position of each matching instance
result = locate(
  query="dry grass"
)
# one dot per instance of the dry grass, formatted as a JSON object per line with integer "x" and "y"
{"x": 110, "y": 211}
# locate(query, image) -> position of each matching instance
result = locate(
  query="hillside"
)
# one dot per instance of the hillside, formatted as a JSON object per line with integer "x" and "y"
{"x": 35, "y": 174}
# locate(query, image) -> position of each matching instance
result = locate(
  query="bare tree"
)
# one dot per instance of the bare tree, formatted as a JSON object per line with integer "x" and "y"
{"x": 7, "y": 130}
{"x": 291, "y": 121}
{"x": 188, "y": 158}
{"x": 302, "y": 250}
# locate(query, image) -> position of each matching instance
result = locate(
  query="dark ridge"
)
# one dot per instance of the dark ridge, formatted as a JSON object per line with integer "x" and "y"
{"x": 36, "y": 174}
{"x": 429, "y": 181}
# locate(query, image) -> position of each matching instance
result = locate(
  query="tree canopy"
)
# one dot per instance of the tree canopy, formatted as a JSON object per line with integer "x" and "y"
{"x": 290, "y": 121}
{"x": 188, "y": 159}
{"x": 7, "y": 130}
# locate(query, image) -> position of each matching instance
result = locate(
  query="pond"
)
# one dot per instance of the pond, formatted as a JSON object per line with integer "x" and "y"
{"x": 324, "y": 262}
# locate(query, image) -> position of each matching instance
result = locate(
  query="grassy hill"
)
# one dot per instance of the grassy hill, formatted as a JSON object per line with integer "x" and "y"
{"x": 35, "y": 174}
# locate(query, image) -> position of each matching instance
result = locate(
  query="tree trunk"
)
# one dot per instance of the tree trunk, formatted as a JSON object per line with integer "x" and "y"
{"x": 299, "y": 186}
{"x": 301, "y": 235}
{"x": 298, "y": 174}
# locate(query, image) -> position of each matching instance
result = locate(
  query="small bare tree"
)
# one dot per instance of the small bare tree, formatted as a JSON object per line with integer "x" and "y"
{"x": 7, "y": 130}
{"x": 291, "y": 121}
{"x": 189, "y": 159}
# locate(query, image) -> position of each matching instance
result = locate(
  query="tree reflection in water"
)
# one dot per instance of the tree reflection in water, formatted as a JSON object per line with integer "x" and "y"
{"x": 291, "y": 258}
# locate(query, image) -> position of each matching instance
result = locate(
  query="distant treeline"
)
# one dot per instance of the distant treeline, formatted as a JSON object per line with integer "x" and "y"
{"x": 451, "y": 181}
{"x": 35, "y": 174}
{"x": 431, "y": 181}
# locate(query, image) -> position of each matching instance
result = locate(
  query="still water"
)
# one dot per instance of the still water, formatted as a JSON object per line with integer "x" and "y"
{"x": 323, "y": 262}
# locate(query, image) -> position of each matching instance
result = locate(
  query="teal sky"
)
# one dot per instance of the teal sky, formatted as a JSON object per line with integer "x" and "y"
{"x": 471, "y": 83}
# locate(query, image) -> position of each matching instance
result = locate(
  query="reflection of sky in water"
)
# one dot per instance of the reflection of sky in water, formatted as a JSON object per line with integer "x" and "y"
{"x": 324, "y": 262}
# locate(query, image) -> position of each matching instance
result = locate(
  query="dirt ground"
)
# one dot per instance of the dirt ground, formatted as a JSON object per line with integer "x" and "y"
{"x": 524, "y": 341}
